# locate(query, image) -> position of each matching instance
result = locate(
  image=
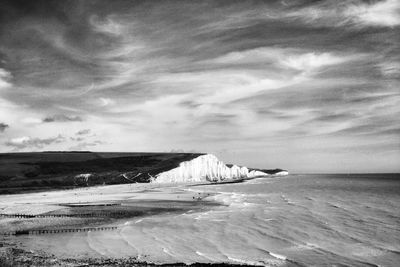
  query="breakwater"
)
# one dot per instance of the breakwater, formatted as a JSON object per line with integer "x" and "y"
{"x": 57, "y": 231}
{"x": 65, "y": 230}
{"x": 97, "y": 214}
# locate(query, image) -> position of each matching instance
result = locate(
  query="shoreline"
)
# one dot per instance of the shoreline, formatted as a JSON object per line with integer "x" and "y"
{"x": 18, "y": 257}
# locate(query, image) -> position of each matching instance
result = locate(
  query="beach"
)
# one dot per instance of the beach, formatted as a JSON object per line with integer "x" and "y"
{"x": 297, "y": 220}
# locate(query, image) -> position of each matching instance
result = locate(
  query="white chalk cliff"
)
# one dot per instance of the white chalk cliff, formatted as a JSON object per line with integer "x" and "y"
{"x": 204, "y": 168}
{"x": 281, "y": 173}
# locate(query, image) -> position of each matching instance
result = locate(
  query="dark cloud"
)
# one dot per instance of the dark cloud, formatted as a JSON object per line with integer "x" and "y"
{"x": 216, "y": 119}
{"x": 334, "y": 117}
{"x": 276, "y": 114}
{"x": 78, "y": 139}
{"x": 3, "y": 127}
{"x": 62, "y": 118}
{"x": 395, "y": 131}
{"x": 190, "y": 104}
{"x": 81, "y": 135}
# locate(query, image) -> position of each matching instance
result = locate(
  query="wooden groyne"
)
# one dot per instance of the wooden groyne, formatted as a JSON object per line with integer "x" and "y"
{"x": 57, "y": 231}
{"x": 85, "y": 215}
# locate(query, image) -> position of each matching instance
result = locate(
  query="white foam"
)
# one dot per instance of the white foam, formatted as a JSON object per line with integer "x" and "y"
{"x": 205, "y": 256}
{"x": 166, "y": 251}
{"x": 280, "y": 257}
{"x": 234, "y": 200}
{"x": 255, "y": 263}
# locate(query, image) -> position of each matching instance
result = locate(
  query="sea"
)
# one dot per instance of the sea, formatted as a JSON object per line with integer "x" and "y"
{"x": 294, "y": 220}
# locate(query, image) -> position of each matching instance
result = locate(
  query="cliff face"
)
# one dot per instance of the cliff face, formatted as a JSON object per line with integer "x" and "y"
{"x": 204, "y": 168}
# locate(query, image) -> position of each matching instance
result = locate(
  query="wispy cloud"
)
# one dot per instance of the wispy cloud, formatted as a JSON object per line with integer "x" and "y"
{"x": 357, "y": 14}
{"x": 62, "y": 118}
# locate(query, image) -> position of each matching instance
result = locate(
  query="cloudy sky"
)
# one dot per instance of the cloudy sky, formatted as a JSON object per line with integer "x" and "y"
{"x": 311, "y": 86}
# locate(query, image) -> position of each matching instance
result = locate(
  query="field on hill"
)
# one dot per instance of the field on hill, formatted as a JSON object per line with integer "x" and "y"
{"x": 21, "y": 172}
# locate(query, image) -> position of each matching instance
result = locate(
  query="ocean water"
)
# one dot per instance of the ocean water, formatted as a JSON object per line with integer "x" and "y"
{"x": 297, "y": 220}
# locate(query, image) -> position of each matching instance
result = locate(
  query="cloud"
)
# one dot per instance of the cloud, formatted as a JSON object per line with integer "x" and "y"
{"x": 3, "y": 127}
{"x": 29, "y": 142}
{"x": 78, "y": 139}
{"x": 218, "y": 119}
{"x": 277, "y": 59}
{"x": 357, "y": 14}
{"x": 311, "y": 61}
{"x": 5, "y": 77}
{"x": 85, "y": 145}
{"x": 381, "y": 13}
{"x": 62, "y": 118}
{"x": 105, "y": 101}
{"x": 107, "y": 25}
{"x": 83, "y": 132}
{"x": 390, "y": 69}
{"x": 334, "y": 117}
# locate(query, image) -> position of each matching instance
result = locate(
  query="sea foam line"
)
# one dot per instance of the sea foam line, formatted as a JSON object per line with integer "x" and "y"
{"x": 255, "y": 263}
{"x": 280, "y": 257}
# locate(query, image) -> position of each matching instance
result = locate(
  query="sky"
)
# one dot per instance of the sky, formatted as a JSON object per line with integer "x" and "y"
{"x": 308, "y": 86}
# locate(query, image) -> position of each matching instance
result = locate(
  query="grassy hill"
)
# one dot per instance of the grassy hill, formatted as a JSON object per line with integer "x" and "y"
{"x": 21, "y": 172}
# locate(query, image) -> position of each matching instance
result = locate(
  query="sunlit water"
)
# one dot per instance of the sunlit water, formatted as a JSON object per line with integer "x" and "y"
{"x": 298, "y": 220}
